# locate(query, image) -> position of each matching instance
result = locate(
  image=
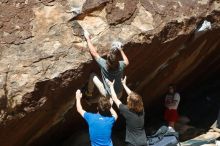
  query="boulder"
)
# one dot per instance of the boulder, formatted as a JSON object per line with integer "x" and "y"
{"x": 44, "y": 57}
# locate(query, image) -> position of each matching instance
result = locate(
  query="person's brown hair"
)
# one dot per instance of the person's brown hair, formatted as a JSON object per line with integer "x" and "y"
{"x": 104, "y": 106}
{"x": 135, "y": 103}
{"x": 112, "y": 61}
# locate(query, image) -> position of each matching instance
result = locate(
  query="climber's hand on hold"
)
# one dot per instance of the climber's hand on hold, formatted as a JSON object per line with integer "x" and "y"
{"x": 78, "y": 95}
{"x": 86, "y": 34}
{"x": 117, "y": 46}
{"x": 92, "y": 48}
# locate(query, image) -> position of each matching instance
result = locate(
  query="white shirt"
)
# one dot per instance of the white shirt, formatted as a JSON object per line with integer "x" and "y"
{"x": 172, "y": 101}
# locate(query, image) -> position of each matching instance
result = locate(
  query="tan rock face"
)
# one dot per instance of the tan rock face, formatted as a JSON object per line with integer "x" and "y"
{"x": 44, "y": 58}
{"x": 90, "y": 5}
{"x": 15, "y": 21}
{"x": 119, "y": 11}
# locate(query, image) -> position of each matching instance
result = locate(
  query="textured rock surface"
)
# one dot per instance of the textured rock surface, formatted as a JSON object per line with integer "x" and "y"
{"x": 203, "y": 140}
{"x": 43, "y": 56}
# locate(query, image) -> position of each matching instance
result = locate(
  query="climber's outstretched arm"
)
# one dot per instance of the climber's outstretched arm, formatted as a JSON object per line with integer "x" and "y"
{"x": 92, "y": 49}
{"x": 125, "y": 58}
{"x": 78, "y": 103}
{"x": 116, "y": 45}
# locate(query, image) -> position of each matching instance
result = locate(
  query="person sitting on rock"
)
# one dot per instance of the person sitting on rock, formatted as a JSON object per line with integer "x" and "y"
{"x": 172, "y": 100}
{"x": 111, "y": 69}
{"x": 101, "y": 123}
{"x": 133, "y": 113}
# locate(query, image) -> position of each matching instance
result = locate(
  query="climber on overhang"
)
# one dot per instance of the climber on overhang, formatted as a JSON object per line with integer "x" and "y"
{"x": 111, "y": 68}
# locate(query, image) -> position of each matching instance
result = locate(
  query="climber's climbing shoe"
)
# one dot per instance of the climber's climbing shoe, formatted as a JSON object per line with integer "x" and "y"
{"x": 85, "y": 93}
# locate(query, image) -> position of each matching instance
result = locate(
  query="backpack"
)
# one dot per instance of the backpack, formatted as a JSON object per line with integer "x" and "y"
{"x": 163, "y": 137}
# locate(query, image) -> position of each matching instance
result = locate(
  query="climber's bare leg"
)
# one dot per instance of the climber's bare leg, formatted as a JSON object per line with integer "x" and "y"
{"x": 94, "y": 81}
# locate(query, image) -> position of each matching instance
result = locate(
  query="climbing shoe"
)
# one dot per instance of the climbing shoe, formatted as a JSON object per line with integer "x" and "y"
{"x": 85, "y": 92}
